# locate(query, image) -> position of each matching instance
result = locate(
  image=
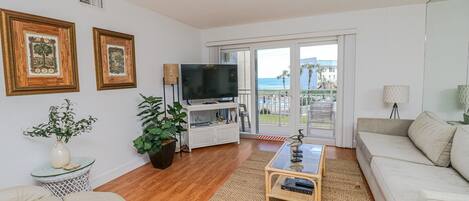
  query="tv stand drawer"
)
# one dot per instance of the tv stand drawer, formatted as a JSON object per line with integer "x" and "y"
{"x": 222, "y": 134}
{"x": 227, "y": 134}
{"x": 202, "y": 137}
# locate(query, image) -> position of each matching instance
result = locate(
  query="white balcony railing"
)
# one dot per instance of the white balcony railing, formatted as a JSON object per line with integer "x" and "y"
{"x": 274, "y": 106}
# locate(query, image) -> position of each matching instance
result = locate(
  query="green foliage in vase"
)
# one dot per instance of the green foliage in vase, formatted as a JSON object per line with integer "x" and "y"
{"x": 157, "y": 129}
{"x": 62, "y": 124}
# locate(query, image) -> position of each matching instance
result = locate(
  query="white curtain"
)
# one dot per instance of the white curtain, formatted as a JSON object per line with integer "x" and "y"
{"x": 346, "y": 115}
{"x": 214, "y": 55}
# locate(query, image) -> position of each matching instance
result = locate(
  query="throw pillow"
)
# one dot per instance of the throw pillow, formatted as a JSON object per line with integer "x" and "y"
{"x": 460, "y": 152}
{"x": 433, "y": 137}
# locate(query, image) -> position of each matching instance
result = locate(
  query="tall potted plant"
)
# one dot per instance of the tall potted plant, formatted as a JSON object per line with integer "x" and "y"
{"x": 63, "y": 126}
{"x": 178, "y": 117}
{"x": 158, "y": 138}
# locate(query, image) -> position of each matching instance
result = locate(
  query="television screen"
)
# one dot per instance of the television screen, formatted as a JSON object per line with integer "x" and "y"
{"x": 204, "y": 81}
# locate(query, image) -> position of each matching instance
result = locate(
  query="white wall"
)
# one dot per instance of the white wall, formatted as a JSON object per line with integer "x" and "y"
{"x": 446, "y": 57}
{"x": 158, "y": 40}
{"x": 390, "y": 50}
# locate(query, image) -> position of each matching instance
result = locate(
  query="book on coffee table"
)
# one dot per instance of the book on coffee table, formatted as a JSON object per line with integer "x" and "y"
{"x": 298, "y": 185}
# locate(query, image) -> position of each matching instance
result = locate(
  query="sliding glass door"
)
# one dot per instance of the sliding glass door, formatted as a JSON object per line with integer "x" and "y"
{"x": 273, "y": 90}
{"x": 287, "y": 86}
{"x": 242, "y": 57}
{"x": 318, "y": 88}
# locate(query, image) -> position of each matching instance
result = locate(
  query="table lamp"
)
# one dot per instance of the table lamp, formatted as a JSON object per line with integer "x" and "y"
{"x": 171, "y": 74}
{"x": 171, "y": 77}
{"x": 464, "y": 100}
{"x": 394, "y": 94}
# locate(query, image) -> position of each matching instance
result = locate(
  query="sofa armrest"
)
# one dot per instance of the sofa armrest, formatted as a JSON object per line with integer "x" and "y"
{"x": 396, "y": 127}
{"x": 26, "y": 193}
{"x": 442, "y": 196}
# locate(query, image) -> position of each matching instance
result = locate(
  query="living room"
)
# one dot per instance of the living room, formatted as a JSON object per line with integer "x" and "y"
{"x": 234, "y": 100}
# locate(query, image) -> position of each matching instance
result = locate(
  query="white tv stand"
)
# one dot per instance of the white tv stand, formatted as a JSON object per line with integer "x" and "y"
{"x": 211, "y": 134}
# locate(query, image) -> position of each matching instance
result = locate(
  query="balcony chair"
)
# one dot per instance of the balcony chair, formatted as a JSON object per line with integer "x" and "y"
{"x": 244, "y": 113}
{"x": 321, "y": 112}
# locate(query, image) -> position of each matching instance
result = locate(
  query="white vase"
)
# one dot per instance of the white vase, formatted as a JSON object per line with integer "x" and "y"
{"x": 59, "y": 155}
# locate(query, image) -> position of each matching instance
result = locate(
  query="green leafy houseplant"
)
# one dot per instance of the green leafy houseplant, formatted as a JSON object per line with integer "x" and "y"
{"x": 62, "y": 124}
{"x": 159, "y": 133}
{"x": 178, "y": 117}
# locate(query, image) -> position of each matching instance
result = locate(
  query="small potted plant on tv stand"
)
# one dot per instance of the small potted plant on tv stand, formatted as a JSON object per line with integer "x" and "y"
{"x": 159, "y": 133}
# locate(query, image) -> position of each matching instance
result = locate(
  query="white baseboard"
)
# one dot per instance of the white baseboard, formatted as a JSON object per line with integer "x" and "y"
{"x": 116, "y": 172}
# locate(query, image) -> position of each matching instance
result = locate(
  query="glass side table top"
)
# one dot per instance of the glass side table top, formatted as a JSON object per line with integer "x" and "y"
{"x": 310, "y": 161}
{"x": 48, "y": 171}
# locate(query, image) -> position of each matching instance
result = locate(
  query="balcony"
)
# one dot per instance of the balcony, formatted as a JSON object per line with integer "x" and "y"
{"x": 317, "y": 108}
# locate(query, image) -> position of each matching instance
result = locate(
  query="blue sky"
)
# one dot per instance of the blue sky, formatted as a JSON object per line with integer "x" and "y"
{"x": 271, "y": 62}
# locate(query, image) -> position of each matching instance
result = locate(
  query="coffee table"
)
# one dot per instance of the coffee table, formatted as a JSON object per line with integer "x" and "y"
{"x": 312, "y": 167}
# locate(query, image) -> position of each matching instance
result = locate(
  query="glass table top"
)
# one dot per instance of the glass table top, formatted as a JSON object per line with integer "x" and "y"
{"x": 47, "y": 170}
{"x": 310, "y": 161}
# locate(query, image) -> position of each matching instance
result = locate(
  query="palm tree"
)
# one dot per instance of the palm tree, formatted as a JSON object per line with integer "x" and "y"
{"x": 310, "y": 68}
{"x": 320, "y": 70}
{"x": 285, "y": 74}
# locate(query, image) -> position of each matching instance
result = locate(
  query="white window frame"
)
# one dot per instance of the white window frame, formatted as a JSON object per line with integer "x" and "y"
{"x": 345, "y": 120}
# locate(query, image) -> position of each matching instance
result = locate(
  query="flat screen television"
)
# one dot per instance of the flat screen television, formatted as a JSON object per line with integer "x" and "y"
{"x": 205, "y": 81}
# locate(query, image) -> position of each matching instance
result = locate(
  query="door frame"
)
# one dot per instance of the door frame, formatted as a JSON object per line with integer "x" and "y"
{"x": 274, "y": 45}
{"x": 294, "y": 45}
{"x": 331, "y": 41}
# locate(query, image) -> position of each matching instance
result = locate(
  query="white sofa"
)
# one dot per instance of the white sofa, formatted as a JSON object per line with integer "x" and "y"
{"x": 36, "y": 193}
{"x": 27, "y": 193}
{"x": 397, "y": 170}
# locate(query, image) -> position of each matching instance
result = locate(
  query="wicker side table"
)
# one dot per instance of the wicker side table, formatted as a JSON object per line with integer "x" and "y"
{"x": 63, "y": 182}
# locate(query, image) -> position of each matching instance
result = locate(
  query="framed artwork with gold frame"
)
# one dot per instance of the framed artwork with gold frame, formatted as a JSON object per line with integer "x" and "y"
{"x": 114, "y": 60}
{"x": 39, "y": 54}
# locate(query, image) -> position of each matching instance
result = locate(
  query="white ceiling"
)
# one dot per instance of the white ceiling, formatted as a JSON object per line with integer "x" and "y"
{"x": 214, "y": 13}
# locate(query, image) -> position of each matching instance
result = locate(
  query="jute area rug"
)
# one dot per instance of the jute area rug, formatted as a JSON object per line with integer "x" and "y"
{"x": 343, "y": 181}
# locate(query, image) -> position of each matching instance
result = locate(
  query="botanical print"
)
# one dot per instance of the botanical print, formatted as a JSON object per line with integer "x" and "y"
{"x": 116, "y": 61}
{"x": 42, "y": 55}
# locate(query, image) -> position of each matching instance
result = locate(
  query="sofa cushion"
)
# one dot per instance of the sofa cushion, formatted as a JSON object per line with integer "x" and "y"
{"x": 433, "y": 137}
{"x": 93, "y": 196}
{"x": 460, "y": 152}
{"x": 390, "y": 146}
{"x": 27, "y": 193}
{"x": 403, "y": 181}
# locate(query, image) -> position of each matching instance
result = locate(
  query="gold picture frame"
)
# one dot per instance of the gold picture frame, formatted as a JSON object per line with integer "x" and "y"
{"x": 39, "y": 54}
{"x": 114, "y": 60}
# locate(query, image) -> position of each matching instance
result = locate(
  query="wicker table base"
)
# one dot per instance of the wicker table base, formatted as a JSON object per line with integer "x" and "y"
{"x": 68, "y": 181}
{"x": 61, "y": 188}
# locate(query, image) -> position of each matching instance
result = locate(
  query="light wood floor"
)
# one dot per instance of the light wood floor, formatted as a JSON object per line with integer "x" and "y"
{"x": 196, "y": 175}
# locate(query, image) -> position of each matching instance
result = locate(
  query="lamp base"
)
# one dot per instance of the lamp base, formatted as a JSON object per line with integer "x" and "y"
{"x": 395, "y": 112}
{"x": 466, "y": 118}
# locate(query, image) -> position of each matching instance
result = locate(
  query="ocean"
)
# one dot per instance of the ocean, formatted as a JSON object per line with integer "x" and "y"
{"x": 277, "y": 84}
{"x": 272, "y": 83}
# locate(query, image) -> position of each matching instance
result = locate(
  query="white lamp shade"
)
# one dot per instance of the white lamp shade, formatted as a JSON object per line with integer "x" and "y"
{"x": 463, "y": 94}
{"x": 396, "y": 94}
